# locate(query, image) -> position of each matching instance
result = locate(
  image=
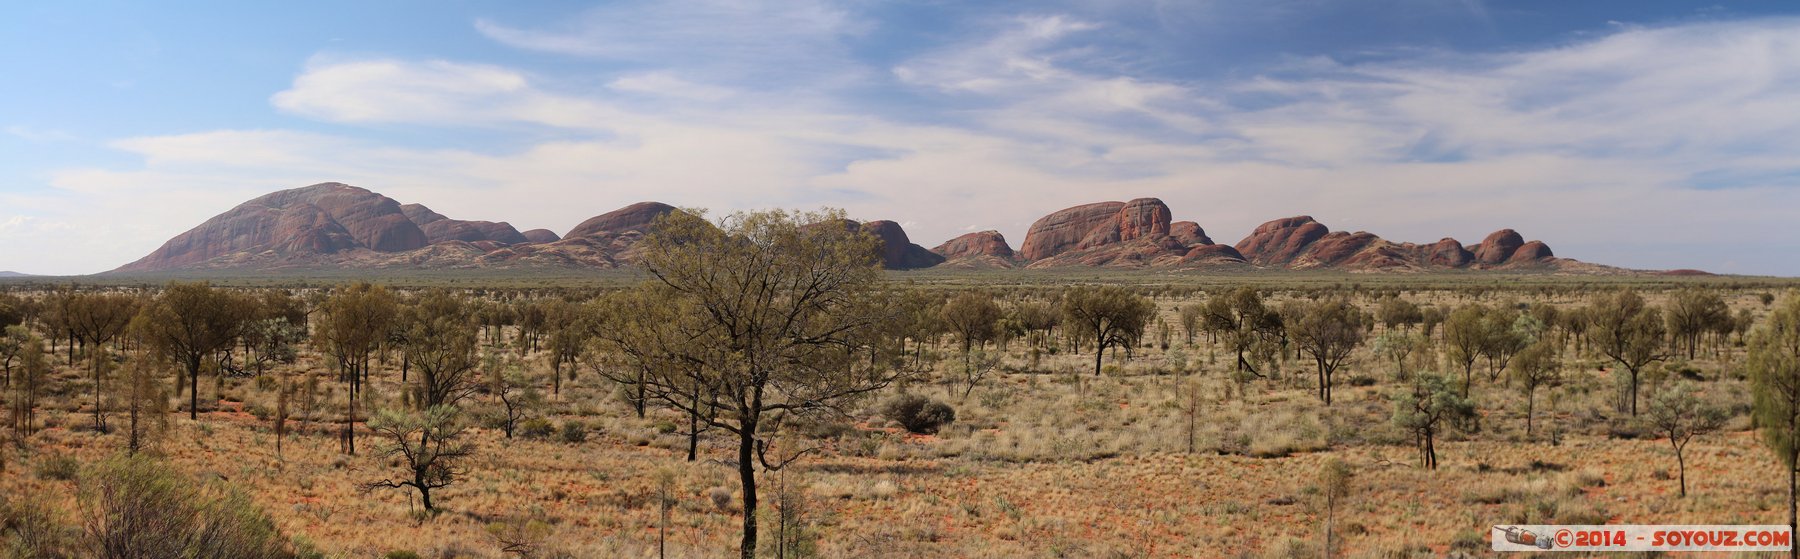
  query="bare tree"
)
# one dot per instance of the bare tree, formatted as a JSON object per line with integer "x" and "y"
{"x": 1423, "y": 409}
{"x": 1679, "y": 413}
{"x": 428, "y": 448}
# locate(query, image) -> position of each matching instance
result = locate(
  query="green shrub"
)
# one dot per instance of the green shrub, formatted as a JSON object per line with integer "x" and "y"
{"x": 536, "y": 428}
{"x": 918, "y": 414}
{"x": 59, "y": 467}
{"x": 136, "y": 507}
{"x": 574, "y": 432}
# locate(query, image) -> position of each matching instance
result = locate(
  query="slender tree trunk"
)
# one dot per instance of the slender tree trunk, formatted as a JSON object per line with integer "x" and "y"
{"x": 1530, "y": 396}
{"x": 193, "y": 367}
{"x": 747, "y": 478}
{"x": 1099, "y": 351}
{"x": 1681, "y": 464}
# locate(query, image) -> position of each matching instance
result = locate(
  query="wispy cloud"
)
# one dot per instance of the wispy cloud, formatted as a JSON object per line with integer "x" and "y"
{"x": 1607, "y": 148}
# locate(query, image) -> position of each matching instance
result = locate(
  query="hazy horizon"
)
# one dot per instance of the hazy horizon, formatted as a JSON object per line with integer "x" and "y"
{"x": 1639, "y": 134}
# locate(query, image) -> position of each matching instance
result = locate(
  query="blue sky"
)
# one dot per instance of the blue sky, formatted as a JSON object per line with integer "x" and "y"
{"x": 1636, "y": 133}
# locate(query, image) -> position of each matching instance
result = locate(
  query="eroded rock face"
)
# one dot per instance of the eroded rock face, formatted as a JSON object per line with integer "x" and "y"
{"x": 981, "y": 243}
{"x": 1067, "y": 229}
{"x": 1447, "y": 253}
{"x": 541, "y": 236}
{"x": 1531, "y": 251}
{"x": 1135, "y": 234}
{"x": 1280, "y": 241}
{"x": 440, "y": 229}
{"x": 635, "y": 217}
{"x": 1498, "y": 247}
{"x": 323, "y": 218}
{"x": 897, "y": 251}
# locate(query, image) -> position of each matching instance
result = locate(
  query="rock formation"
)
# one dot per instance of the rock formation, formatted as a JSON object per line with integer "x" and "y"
{"x": 1131, "y": 234}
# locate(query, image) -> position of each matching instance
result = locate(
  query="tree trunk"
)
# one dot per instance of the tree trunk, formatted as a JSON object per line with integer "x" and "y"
{"x": 747, "y": 478}
{"x": 1099, "y": 351}
{"x": 1681, "y": 465}
{"x": 193, "y": 367}
{"x": 1529, "y": 405}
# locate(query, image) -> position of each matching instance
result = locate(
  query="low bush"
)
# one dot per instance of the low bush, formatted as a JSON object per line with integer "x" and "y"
{"x": 918, "y": 414}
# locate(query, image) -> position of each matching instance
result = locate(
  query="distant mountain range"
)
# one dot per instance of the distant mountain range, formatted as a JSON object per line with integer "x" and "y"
{"x": 10, "y": 274}
{"x": 338, "y": 226}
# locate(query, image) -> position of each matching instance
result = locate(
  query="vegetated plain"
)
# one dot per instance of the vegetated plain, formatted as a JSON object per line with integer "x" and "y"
{"x": 1171, "y": 449}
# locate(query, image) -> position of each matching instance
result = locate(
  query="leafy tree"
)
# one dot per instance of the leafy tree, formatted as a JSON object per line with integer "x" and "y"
{"x": 34, "y": 374}
{"x": 1395, "y": 312}
{"x": 1536, "y": 366}
{"x": 780, "y": 312}
{"x": 1628, "y": 331}
{"x": 442, "y": 345}
{"x": 1679, "y": 413}
{"x": 1328, "y": 331}
{"x": 1334, "y": 486}
{"x": 1247, "y": 325}
{"x": 427, "y": 445}
{"x": 146, "y": 405}
{"x": 974, "y": 318}
{"x": 1397, "y": 347}
{"x": 1693, "y": 312}
{"x": 568, "y": 329}
{"x": 1465, "y": 333}
{"x": 517, "y": 395}
{"x": 1775, "y": 388}
{"x": 186, "y": 323}
{"x": 644, "y": 345}
{"x": 1193, "y": 317}
{"x": 97, "y": 319}
{"x": 12, "y": 345}
{"x": 1111, "y": 316}
{"x": 356, "y": 319}
{"x": 1423, "y": 409}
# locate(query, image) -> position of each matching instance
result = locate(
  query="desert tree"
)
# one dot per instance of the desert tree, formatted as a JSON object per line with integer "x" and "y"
{"x": 567, "y": 329}
{"x": 1398, "y": 347}
{"x": 1328, "y": 331}
{"x": 12, "y": 345}
{"x": 1110, "y": 316}
{"x": 282, "y": 390}
{"x": 186, "y": 323}
{"x": 1465, "y": 336}
{"x": 13, "y": 310}
{"x": 779, "y": 313}
{"x": 1535, "y": 367}
{"x": 1193, "y": 318}
{"x": 145, "y": 403}
{"x": 34, "y": 374}
{"x": 1248, "y": 326}
{"x": 98, "y": 319}
{"x": 355, "y": 321}
{"x": 441, "y": 342}
{"x": 1395, "y": 312}
{"x": 646, "y": 345}
{"x": 1679, "y": 413}
{"x": 1334, "y": 487}
{"x": 1506, "y": 332}
{"x": 1426, "y": 407}
{"x": 270, "y": 340}
{"x": 1693, "y": 312}
{"x": 1774, "y": 364}
{"x": 427, "y": 445}
{"x": 973, "y": 317}
{"x": 1038, "y": 318}
{"x": 1628, "y": 331}
{"x": 517, "y": 395}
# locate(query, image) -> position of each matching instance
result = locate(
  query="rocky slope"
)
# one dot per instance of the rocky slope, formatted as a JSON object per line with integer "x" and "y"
{"x": 1301, "y": 243}
{"x": 981, "y": 249}
{"x": 333, "y": 225}
{"x": 1133, "y": 234}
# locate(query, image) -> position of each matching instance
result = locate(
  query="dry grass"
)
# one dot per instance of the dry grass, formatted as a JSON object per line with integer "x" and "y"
{"x": 1044, "y": 461}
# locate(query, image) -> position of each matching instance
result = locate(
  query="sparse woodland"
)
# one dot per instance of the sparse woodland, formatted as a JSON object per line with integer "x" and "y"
{"x": 763, "y": 389}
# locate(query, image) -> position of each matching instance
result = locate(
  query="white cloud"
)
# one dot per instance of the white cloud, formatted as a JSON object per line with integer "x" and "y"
{"x": 1592, "y": 147}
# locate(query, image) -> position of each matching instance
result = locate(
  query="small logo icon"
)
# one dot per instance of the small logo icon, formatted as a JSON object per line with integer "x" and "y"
{"x": 1521, "y": 536}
